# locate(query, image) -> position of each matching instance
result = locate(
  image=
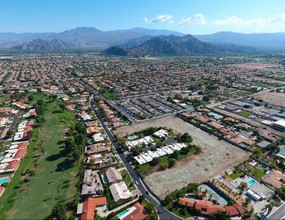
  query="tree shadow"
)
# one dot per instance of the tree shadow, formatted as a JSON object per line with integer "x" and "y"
{"x": 65, "y": 165}
{"x": 61, "y": 154}
{"x": 61, "y": 142}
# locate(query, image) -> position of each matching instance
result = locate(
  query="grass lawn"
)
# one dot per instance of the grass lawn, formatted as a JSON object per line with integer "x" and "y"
{"x": 147, "y": 168}
{"x": 4, "y": 97}
{"x": 235, "y": 175}
{"x": 54, "y": 181}
{"x": 179, "y": 211}
{"x": 128, "y": 180}
{"x": 109, "y": 95}
{"x": 258, "y": 173}
{"x": 244, "y": 113}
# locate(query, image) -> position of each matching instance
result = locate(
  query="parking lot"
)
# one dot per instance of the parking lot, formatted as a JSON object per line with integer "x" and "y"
{"x": 147, "y": 107}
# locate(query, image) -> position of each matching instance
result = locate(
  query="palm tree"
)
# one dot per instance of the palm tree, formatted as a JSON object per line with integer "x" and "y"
{"x": 242, "y": 186}
{"x": 269, "y": 208}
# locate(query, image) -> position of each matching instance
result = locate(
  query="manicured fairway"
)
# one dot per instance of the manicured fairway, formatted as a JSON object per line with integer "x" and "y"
{"x": 54, "y": 179}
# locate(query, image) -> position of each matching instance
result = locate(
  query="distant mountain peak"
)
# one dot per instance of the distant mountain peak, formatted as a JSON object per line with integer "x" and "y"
{"x": 174, "y": 45}
{"x": 115, "y": 50}
{"x": 40, "y": 44}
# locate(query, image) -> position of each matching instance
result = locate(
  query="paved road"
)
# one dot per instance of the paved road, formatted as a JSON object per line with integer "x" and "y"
{"x": 163, "y": 213}
{"x": 278, "y": 214}
{"x": 249, "y": 121}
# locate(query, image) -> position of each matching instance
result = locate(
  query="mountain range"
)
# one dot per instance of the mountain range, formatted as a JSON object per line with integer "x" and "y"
{"x": 44, "y": 45}
{"x": 142, "y": 40}
{"x": 175, "y": 45}
{"x": 83, "y": 37}
{"x": 265, "y": 41}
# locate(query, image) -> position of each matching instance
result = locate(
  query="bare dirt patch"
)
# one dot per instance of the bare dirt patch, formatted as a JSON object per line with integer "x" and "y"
{"x": 255, "y": 65}
{"x": 216, "y": 156}
{"x": 268, "y": 80}
{"x": 274, "y": 98}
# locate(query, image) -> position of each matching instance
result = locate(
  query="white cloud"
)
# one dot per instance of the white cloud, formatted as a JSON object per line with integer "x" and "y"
{"x": 197, "y": 19}
{"x": 236, "y": 21}
{"x": 278, "y": 19}
{"x": 233, "y": 20}
{"x": 159, "y": 18}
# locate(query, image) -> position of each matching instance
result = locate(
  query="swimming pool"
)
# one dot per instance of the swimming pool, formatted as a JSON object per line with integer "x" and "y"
{"x": 208, "y": 127}
{"x": 3, "y": 180}
{"x": 251, "y": 182}
{"x": 105, "y": 179}
{"x": 243, "y": 145}
{"x": 122, "y": 213}
{"x": 191, "y": 196}
{"x": 132, "y": 137}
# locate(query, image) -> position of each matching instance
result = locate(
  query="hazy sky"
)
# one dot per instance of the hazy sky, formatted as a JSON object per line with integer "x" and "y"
{"x": 187, "y": 16}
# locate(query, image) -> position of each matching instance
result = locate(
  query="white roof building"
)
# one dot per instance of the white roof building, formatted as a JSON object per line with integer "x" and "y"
{"x": 147, "y": 157}
{"x": 153, "y": 154}
{"x": 174, "y": 147}
{"x": 167, "y": 150}
{"x": 140, "y": 160}
{"x": 160, "y": 152}
{"x": 280, "y": 124}
{"x": 98, "y": 137}
{"x": 120, "y": 192}
{"x": 161, "y": 133}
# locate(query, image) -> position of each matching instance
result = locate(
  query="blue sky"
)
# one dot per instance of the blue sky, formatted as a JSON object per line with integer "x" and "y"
{"x": 187, "y": 16}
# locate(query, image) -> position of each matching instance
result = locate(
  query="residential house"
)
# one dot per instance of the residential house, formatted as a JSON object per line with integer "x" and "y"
{"x": 87, "y": 208}
{"x": 120, "y": 192}
{"x": 92, "y": 184}
{"x": 113, "y": 175}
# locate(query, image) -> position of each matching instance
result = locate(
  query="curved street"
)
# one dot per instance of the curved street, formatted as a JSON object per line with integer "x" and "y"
{"x": 163, "y": 213}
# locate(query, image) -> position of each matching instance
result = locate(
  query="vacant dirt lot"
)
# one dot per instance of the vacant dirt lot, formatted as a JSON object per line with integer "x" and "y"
{"x": 268, "y": 80}
{"x": 274, "y": 98}
{"x": 216, "y": 156}
{"x": 255, "y": 65}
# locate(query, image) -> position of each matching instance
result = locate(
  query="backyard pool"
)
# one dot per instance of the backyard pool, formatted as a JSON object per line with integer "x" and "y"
{"x": 251, "y": 182}
{"x": 208, "y": 127}
{"x": 191, "y": 196}
{"x": 3, "y": 180}
{"x": 132, "y": 137}
{"x": 122, "y": 213}
{"x": 243, "y": 145}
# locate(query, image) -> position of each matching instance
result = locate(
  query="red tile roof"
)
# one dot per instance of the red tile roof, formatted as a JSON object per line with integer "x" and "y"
{"x": 140, "y": 213}
{"x": 239, "y": 208}
{"x": 29, "y": 128}
{"x": 275, "y": 178}
{"x": 14, "y": 164}
{"x": 214, "y": 209}
{"x": 2, "y": 189}
{"x": 201, "y": 119}
{"x": 23, "y": 145}
{"x": 187, "y": 202}
{"x": 89, "y": 207}
{"x": 232, "y": 211}
{"x": 20, "y": 154}
{"x": 207, "y": 208}
{"x": 215, "y": 125}
{"x": 30, "y": 123}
